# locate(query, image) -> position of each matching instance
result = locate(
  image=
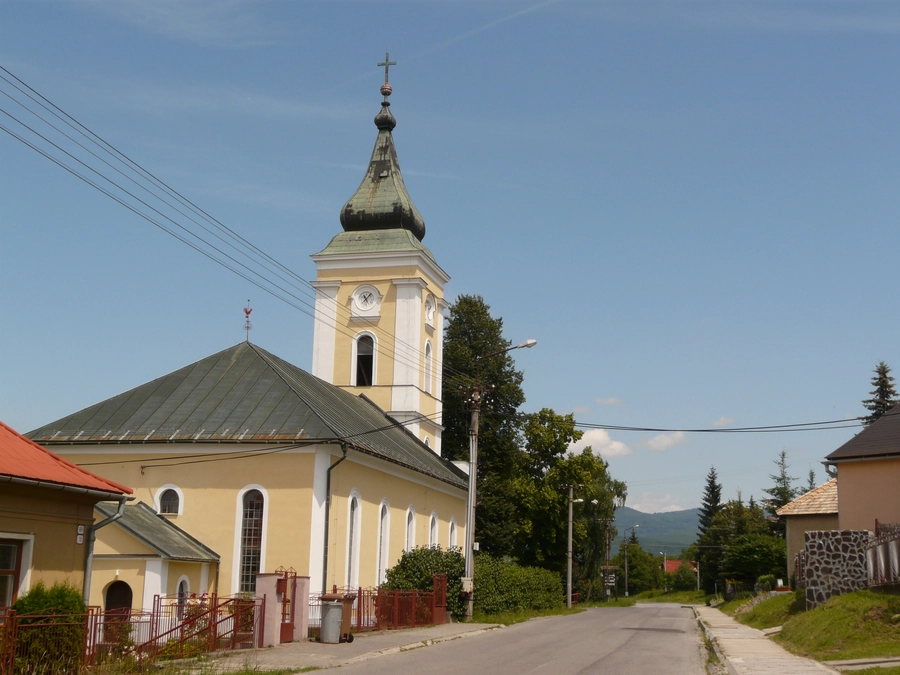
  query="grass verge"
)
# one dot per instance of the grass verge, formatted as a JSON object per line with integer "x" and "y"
{"x": 509, "y": 618}
{"x": 682, "y": 597}
{"x": 773, "y": 612}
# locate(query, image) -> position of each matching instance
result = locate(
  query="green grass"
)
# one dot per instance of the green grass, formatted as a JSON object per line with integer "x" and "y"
{"x": 878, "y": 671}
{"x": 772, "y": 612}
{"x": 682, "y": 597}
{"x": 509, "y": 618}
{"x": 622, "y": 601}
{"x": 851, "y": 626}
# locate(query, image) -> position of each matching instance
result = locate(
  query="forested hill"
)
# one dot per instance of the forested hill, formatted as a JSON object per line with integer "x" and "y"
{"x": 672, "y": 531}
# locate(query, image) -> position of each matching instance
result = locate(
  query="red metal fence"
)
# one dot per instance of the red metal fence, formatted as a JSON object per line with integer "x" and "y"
{"x": 177, "y": 627}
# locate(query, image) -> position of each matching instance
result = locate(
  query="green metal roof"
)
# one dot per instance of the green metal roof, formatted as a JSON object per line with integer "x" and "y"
{"x": 375, "y": 241}
{"x": 244, "y": 394}
{"x": 163, "y": 536}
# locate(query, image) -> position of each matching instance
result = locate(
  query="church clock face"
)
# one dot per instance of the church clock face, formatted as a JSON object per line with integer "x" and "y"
{"x": 366, "y": 300}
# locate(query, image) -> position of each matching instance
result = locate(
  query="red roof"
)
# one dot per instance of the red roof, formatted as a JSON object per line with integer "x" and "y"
{"x": 673, "y": 565}
{"x": 21, "y": 457}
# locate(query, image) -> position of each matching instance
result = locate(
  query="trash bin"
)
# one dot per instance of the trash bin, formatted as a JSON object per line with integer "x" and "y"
{"x": 330, "y": 633}
{"x": 346, "y": 600}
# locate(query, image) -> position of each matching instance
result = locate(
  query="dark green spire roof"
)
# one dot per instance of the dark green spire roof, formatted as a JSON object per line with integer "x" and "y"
{"x": 381, "y": 202}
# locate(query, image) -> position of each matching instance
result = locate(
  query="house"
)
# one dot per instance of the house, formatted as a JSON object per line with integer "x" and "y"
{"x": 811, "y": 511}
{"x": 333, "y": 473}
{"x": 868, "y": 473}
{"x": 46, "y": 516}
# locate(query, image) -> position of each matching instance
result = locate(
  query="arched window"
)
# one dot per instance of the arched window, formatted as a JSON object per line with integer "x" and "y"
{"x": 429, "y": 368}
{"x": 383, "y": 531}
{"x": 169, "y": 502}
{"x": 365, "y": 361}
{"x": 410, "y": 529}
{"x": 433, "y": 531}
{"x": 184, "y": 591}
{"x": 251, "y": 540}
{"x": 452, "y": 539}
{"x": 353, "y": 543}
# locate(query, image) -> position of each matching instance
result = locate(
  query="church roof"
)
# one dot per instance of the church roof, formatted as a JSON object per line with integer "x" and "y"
{"x": 822, "y": 500}
{"x": 244, "y": 394}
{"x": 880, "y": 439}
{"x": 381, "y": 202}
{"x": 25, "y": 462}
{"x": 374, "y": 241}
{"x": 164, "y": 537}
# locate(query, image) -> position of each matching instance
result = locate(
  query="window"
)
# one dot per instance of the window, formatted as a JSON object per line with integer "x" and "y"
{"x": 365, "y": 361}
{"x": 353, "y": 543}
{"x": 429, "y": 311}
{"x": 410, "y": 529}
{"x": 429, "y": 367}
{"x": 251, "y": 540}
{"x": 169, "y": 501}
{"x": 432, "y": 531}
{"x": 382, "y": 542}
{"x": 10, "y": 570}
{"x": 453, "y": 543}
{"x": 184, "y": 591}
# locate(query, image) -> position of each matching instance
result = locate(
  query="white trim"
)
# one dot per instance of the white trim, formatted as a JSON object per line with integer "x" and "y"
{"x": 353, "y": 355}
{"x": 158, "y": 496}
{"x": 317, "y": 519}
{"x": 407, "y": 344}
{"x": 433, "y": 535}
{"x": 361, "y": 261}
{"x": 238, "y": 524}
{"x": 25, "y": 563}
{"x": 325, "y": 329}
{"x": 383, "y": 546}
{"x": 204, "y": 578}
{"x": 430, "y": 310}
{"x": 187, "y": 581}
{"x": 409, "y": 542}
{"x": 357, "y": 311}
{"x": 156, "y": 573}
{"x": 453, "y": 534}
{"x": 352, "y": 565}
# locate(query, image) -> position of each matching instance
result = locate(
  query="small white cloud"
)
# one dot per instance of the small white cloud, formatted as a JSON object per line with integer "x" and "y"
{"x": 662, "y": 442}
{"x": 609, "y": 401}
{"x": 648, "y": 502}
{"x": 583, "y": 410}
{"x": 601, "y": 444}
{"x": 724, "y": 422}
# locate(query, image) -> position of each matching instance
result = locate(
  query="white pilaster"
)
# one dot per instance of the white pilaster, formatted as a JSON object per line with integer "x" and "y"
{"x": 317, "y": 524}
{"x": 407, "y": 344}
{"x": 156, "y": 572}
{"x": 325, "y": 329}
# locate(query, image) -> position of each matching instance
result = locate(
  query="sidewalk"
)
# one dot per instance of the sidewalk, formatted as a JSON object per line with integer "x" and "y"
{"x": 748, "y": 651}
{"x": 364, "y": 646}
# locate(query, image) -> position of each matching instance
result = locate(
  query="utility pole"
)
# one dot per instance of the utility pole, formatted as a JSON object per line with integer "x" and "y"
{"x": 572, "y": 500}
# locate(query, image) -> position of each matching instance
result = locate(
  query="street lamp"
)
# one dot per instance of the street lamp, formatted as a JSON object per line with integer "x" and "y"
{"x": 477, "y": 391}
{"x": 626, "y": 554}
{"x": 665, "y": 579}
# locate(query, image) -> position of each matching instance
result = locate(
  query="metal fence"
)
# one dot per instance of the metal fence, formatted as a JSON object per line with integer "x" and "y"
{"x": 883, "y": 555}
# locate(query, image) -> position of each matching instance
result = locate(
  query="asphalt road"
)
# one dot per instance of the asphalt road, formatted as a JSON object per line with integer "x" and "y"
{"x": 649, "y": 638}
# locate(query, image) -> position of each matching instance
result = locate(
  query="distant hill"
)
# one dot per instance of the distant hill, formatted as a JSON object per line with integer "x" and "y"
{"x": 672, "y": 531}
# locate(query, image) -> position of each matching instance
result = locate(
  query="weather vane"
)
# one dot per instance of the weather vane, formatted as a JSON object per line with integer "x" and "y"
{"x": 247, "y": 325}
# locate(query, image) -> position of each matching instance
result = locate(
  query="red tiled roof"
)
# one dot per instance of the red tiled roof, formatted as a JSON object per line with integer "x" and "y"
{"x": 21, "y": 457}
{"x": 673, "y": 565}
{"x": 822, "y": 500}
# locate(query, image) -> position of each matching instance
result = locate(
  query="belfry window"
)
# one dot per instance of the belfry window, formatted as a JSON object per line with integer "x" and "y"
{"x": 251, "y": 539}
{"x": 169, "y": 502}
{"x": 429, "y": 368}
{"x": 365, "y": 361}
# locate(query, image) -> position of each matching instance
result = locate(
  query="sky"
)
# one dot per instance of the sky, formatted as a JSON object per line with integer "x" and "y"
{"x": 691, "y": 205}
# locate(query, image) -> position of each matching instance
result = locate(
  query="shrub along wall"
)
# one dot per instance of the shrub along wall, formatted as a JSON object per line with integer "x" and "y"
{"x": 502, "y": 586}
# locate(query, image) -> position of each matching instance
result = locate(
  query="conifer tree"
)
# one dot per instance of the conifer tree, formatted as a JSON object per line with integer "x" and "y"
{"x": 884, "y": 396}
{"x": 781, "y": 493}
{"x": 712, "y": 500}
{"x": 811, "y": 481}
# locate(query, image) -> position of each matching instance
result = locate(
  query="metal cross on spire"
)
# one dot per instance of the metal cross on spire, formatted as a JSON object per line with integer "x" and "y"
{"x": 387, "y": 63}
{"x": 247, "y": 325}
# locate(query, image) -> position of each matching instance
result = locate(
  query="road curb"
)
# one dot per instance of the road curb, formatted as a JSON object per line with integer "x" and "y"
{"x": 420, "y": 644}
{"x": 712, "y": 641}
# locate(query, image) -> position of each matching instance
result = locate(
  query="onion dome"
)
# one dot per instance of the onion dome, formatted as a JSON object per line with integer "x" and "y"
{"x": 381, "y": 202}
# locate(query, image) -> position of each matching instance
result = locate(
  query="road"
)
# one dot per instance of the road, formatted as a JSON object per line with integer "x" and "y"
{"x": 648, "y": 638}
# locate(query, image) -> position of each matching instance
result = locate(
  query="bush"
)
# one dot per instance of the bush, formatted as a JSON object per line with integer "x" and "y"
{"x": 416, "y": 569}
{"x": 504, "y": 586}
{"x": 60, "y": 598}
{"x": 766, "y": 583}
{"x": 685, "y": 578}
{"x": 51, "y": 634}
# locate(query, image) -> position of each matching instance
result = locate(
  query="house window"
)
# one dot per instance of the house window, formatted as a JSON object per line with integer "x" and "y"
{"x": 433, "y": 531}
{"x": 169, "y": 502}
{"x": 365, "y": 361}
{"x": 429, "y": 367}
{"x": 10, "y": 570}
{"x": 453, "y": 543}
{"x": 353, "y": 543}
{"x": 382, "y": 543}
{"x": 410, "y": 529}
{"x": 251, "y": 539}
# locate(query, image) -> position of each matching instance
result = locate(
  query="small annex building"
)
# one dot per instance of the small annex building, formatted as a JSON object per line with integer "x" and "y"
{"x": 46, "y": 516}
{"x": 812, "y": 511}
{"x": 142, "y": 554}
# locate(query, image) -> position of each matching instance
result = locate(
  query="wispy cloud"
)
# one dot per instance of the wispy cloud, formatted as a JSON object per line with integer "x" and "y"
{"x": 648, "y": 502}
{"x": 662, "y": 442}
{"x": 221, "y": 22}
{"x": 609, "y": 401}
{"x": 601, "y": 444}
{"x": 724, "y": 422}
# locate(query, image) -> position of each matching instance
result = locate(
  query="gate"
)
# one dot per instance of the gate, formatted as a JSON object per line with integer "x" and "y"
{"x": 286, "y": 587}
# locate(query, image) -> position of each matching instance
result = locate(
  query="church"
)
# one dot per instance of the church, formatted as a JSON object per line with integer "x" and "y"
{"x": 333, "y": 472}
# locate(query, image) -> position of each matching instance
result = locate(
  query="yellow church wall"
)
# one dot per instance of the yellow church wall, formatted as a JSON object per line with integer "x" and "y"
{"x": 113, "y": 540}
{"x": 191, "y": 570}
{"x": 108, "y": 570}
{"x": 210, "y": 509}
{"x": 373, "y": 487}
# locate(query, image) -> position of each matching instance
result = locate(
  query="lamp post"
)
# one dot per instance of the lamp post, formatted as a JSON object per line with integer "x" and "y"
{"x": 569, "y": 548}
{"x": 477, "y": 392}
{"x": 665, "y": 580}
{"x": 626, "y": 555}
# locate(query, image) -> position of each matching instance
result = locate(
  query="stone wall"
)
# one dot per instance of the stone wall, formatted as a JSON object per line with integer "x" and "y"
{"x": 835, "y": 564}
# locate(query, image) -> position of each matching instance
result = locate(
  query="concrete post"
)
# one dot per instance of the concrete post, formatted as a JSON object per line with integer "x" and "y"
{"x": 265, "y": 587}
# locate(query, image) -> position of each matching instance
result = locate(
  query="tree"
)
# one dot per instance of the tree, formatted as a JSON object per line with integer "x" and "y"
{"x": 733, "y": 520}
{"x": 684, "y": 579}
{"x": 643, "y": 568}
{"x": 712, "y": 500}
{"x": 781, "y": 493}
{"x": 472, "y": 333}
{"x": 810, "y": 481}
{"x": 884, "y": 396}
{"x": 749, "y": 556}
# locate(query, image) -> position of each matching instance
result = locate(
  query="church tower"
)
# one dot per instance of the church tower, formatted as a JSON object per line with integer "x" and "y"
{"x": 380, "y": 297}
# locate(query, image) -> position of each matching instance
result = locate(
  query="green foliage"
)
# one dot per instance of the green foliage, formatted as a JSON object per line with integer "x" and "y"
{"x": 712, "y": 500}
{"x": 781, "y": 493}
{"x": 684, "y": 579}
{"x": 884, "y": 396}
{"x": 766, "y": 583}
{"x": 749, "y": 556}
{"x": 733, "y": 520}
{"x": 416, "y": 569}
{"x": 60, "y": 599}
{"x": 51, "y": 634}
{"x": 504, "y": 586}
{"x": 643, "y": 569}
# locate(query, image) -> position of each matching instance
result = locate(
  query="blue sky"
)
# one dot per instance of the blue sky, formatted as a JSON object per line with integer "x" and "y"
{"x": 692, "y": 206}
